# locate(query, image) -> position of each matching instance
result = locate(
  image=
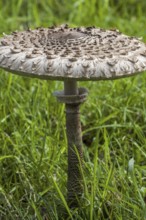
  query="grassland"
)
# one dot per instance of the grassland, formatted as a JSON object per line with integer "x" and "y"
{"x": 32, "y": 125}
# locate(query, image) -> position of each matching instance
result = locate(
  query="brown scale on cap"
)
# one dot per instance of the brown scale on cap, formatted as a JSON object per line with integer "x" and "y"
{"x": 104, "y": 54}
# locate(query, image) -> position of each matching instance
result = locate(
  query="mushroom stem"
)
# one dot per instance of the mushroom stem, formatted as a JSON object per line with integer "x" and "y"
{"x": 73, "y": 96}
{"x": 74, "y": 137}
{"x": 70, "y": 87}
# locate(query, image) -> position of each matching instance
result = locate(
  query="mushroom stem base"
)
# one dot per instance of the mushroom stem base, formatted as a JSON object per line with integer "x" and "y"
{"x": 74, "y": 138}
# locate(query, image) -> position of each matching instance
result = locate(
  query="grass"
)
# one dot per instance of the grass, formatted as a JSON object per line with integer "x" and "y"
{"x": 33, "y": 154}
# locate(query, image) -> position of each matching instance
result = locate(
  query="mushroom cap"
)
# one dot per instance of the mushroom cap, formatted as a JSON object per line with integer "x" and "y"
{"x": 72, "y": 53}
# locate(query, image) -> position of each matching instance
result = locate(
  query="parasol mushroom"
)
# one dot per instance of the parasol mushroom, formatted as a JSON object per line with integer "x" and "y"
{"x": 71, "y": 55}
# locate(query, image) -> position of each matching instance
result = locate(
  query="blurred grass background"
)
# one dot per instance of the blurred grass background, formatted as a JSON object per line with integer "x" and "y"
{"x": 32, "y": 125}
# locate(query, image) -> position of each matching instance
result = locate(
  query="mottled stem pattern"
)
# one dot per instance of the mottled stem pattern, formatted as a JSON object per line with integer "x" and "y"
{"x": 73, "y": 96}
{"x": 74, "y": 137}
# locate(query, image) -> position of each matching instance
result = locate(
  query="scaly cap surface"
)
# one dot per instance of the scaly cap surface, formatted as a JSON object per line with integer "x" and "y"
{"x": 60, "y": 53}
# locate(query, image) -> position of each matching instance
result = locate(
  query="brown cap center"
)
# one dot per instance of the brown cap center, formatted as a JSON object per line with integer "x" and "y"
{"x": 61, "y": 36}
